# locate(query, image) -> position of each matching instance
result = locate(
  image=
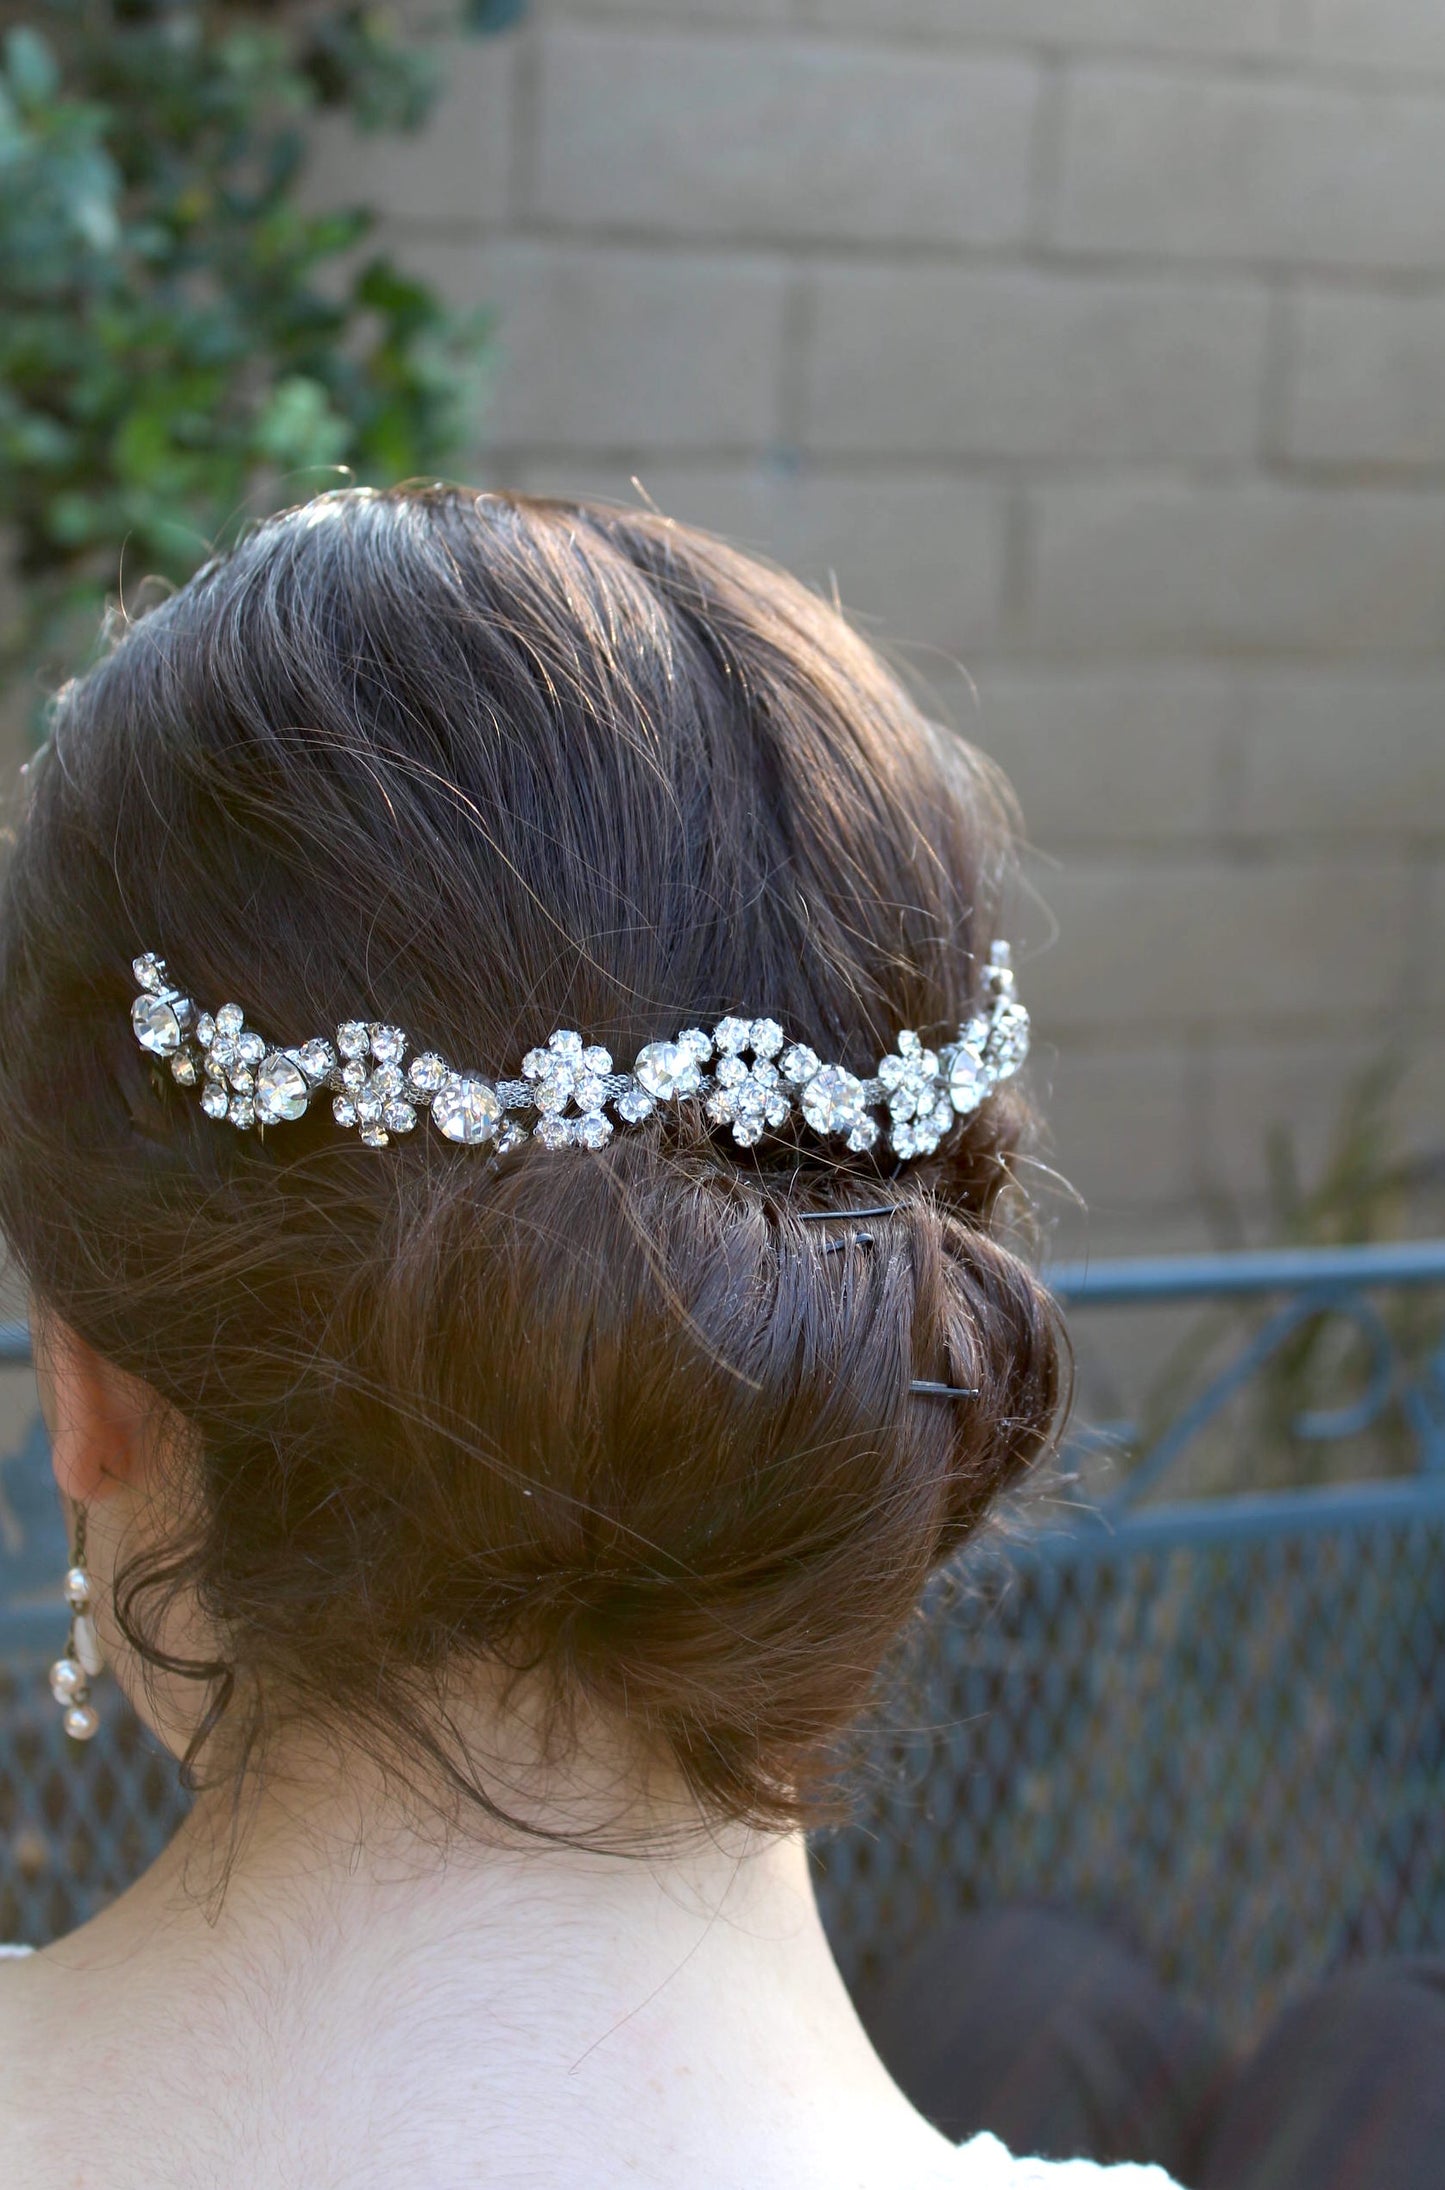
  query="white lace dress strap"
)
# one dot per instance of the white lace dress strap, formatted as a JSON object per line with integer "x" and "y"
{"x": 989, "y": 2165}
{"x": 4, "y": 1949}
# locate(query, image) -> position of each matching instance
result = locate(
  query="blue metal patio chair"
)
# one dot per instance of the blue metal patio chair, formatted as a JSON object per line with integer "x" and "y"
{"x": 1216, "y": 1724}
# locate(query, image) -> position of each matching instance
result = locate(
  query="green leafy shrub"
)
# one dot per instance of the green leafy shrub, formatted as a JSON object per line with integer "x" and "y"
{"x": 183, "y": 342}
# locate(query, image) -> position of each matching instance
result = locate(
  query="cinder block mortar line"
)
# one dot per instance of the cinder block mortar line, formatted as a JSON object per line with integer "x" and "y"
{"x": 1292, "y": 62}
{"x": 1423, "y": 944}
{"x": 1229, "y": 763}
{"x": 984, "y": 467}
{"x": 526, "y": 126}
{"x": 1044, "y": 159}
{"x": 926, "y": 255}
{"x": 1231, "y": 851}
{"x": 1182, "y": 858}
{"x": 794, "y": 352}
{"x": 1200, "y": 1104}
{"x": 1277, "y": 377}
{"x": 1273, "y": 1029}
{"x": 987, "y": 468}
{"x": 1041, "y": 256}
{"x": 1020, "y": 566}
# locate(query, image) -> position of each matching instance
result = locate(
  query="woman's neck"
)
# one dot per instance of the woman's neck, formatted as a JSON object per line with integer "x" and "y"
{"x": 682, "y": 2005}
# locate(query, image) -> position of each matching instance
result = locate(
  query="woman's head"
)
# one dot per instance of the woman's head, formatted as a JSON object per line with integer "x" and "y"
{"x": 488, "y": 766}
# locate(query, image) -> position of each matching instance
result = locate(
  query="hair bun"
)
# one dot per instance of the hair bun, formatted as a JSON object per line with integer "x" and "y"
{"x": 488, "y": 766}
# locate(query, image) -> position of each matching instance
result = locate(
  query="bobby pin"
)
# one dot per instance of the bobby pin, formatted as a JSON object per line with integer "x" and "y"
{"x": 839, "y": 1216}
{"x": 841, "y": 1246}
{"x": 944, "y": 1391}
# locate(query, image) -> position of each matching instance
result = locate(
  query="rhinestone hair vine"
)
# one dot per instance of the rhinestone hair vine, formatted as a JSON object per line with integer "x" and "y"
{"x": 745, "y": 1072}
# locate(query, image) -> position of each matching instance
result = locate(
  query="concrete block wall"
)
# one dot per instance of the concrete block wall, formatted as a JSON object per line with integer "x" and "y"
{"x": 1096, "y": 350}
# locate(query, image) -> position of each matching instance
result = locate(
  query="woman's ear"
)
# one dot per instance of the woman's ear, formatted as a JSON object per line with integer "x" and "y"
{"x": 96, "y": 1414}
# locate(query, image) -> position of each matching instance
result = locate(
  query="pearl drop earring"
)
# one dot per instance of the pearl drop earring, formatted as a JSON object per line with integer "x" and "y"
{"x": 68, "y": 1682}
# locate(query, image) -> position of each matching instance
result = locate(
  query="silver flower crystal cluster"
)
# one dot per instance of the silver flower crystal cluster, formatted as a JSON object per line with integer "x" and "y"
{"x": 747, "y": 1074}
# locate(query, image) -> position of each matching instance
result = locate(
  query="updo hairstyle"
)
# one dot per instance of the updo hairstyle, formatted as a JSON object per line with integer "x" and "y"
{"x": 486, "y": 766}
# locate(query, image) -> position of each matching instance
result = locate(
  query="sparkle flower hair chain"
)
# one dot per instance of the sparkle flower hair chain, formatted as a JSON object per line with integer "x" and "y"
{"x": 745, "y": 1072}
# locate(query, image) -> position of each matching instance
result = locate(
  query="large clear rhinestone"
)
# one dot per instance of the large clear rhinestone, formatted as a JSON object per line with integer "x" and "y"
{"x": 229, "y": 1020}
{"x": 353, "y": 1037}
{"x": 214, "y": 1100}
{"x": 634, "y": 1104}
{"x": 666, "y": 1069}
{"x": 1008, "y": 1040}
{"x": 149, "y": 970}
{"x": 832, "y": 1100}
{"x": 967, "y": 1080}
{"x": 466, "y": 1109}
{"x": 282, "y": 1090}
{"x": 388, "y": 1044}
{"x": 316, "y": 1059}
{"x": 427, "y": 1072}
{"x": 157, "y": 1027}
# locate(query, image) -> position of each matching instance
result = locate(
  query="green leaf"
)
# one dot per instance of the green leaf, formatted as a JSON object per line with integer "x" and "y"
{"x": 180, "y": 329}
{"x": 298, "y": 426}
{"x": 32, "y": 68}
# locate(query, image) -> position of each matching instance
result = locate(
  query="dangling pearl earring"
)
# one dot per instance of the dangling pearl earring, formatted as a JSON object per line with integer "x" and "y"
{"x": 68, "y": 1682}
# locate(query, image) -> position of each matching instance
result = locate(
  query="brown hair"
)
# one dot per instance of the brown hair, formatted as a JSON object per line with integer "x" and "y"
{"x": 486, "y": 766}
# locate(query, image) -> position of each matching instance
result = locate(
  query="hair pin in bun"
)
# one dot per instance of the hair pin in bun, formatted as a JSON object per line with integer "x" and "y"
{"x": 746, "y": 1073}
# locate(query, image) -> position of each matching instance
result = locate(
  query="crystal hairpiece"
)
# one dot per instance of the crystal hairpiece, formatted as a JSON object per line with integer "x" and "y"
{"x": 746, "y": 1072}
